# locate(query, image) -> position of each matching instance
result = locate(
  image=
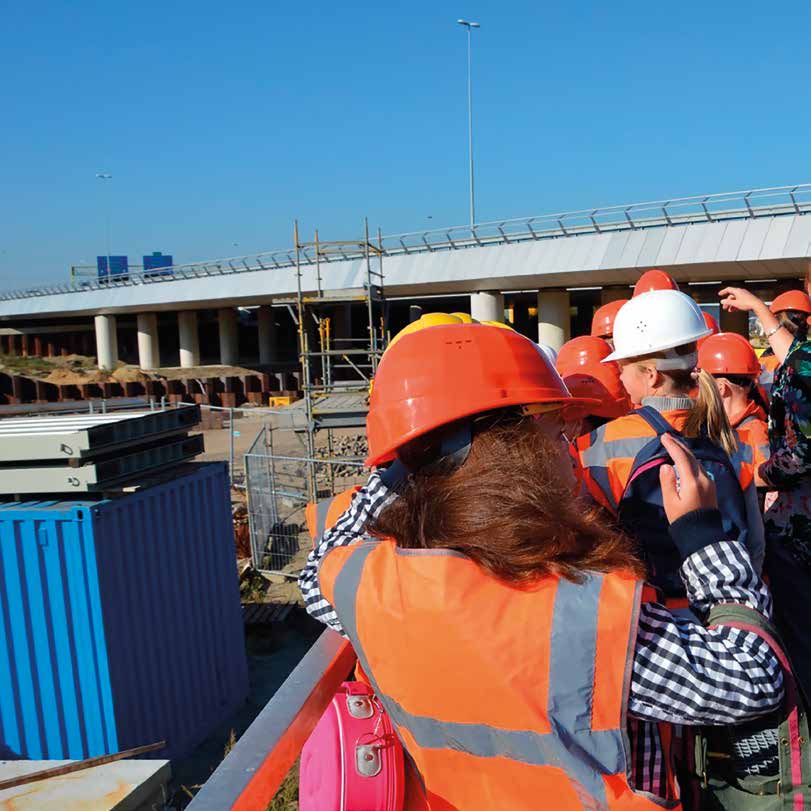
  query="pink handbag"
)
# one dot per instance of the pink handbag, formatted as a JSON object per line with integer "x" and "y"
{"x": 353, "y": 761}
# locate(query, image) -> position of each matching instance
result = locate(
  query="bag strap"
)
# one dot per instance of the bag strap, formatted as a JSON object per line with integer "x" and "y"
{"x": 656, "y": 421}
{"x": 793, "y": 735}
{"x": 659, "y": 424}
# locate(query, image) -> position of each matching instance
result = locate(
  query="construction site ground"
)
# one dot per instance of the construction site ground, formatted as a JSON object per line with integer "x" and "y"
{"x": 75, "y": 370}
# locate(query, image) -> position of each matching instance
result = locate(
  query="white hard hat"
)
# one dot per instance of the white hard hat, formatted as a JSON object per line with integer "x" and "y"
{"x": 655, "y": 322}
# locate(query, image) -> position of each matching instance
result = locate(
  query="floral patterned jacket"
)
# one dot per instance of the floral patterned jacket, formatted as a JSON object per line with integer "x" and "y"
{"x": 789, "y": 465}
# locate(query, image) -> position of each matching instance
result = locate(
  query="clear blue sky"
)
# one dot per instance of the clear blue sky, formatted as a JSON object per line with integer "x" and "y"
{"x": 221, "y": 122}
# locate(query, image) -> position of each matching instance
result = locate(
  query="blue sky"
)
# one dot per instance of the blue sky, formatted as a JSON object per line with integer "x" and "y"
{"x": 222, "y": 122}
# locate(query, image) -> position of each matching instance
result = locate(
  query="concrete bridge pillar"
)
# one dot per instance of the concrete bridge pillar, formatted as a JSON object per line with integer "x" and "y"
{"x": 487, "y": 306}
{"x": 148, "y": 347}
{"x": 734, "y": 322}
{"x": 266, "y": 323}
{"x": 106, "y": 342}
{"x": 229, "y": 336}
{"x": 554, "y": 319}
{"x": 189, "y": 338}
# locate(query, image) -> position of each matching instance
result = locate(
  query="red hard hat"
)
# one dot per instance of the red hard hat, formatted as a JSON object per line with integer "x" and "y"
{"x": 602, "y": 325}
{"x": 442, "y": 374}
{"x": 585, "y": 375}
{"x": 792, "y": 300}
{"x": 654, "y": 280}
{"x": 711, "y": 323}
{"x": 728, "y": 353}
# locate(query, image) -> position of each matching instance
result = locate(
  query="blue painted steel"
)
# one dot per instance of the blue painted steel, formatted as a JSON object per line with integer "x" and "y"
{"x": 120, "y": 621}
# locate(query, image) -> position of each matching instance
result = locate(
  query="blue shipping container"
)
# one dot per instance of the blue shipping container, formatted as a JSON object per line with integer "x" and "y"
{"x": 120, "y": 621}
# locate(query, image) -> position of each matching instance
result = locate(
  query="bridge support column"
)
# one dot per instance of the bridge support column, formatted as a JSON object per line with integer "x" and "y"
{"x": 267, "y": 335}
{"x": 148, "y": 347}
{"x": 229, "y": 337}
{"x": 189, "y": 339}
{"x": 554, "y": 319}
{"x": 609, "y": 294}
{"x": 106, "y": 341}
{"x": 487, "y": 306}
{"x": 734, "y": 322}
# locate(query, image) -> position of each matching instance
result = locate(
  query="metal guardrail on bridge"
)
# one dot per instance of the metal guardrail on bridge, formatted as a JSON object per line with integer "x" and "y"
{"x": 753, "y": 203}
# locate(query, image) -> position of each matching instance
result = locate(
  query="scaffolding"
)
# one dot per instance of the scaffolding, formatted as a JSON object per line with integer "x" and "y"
{"x": 336, "y": 372}
{"x": 317, "y": 449}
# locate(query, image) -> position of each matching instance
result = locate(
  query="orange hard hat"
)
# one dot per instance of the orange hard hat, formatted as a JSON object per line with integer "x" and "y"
{"x": 442, "y": 374}
{"x": 792, "y": 300}
{"x": 654, "y": 280}
{"x": 585, "y": 375}
{"x": 728, "y": 353}
{"x": 602, "y": 325}
{"x": 581, "y": 352}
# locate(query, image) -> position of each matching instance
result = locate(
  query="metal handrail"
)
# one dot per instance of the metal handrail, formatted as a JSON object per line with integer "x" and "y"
{"x": 750, "y": 204}
{"x": 254, "y": 769}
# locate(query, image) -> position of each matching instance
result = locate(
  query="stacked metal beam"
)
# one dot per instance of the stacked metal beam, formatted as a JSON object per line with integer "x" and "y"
{"x": 93, "y": 452}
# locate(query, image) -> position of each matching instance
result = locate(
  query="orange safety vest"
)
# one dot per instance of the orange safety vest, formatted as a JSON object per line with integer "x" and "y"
{"x": 504, "y": 697}
{"x": 321, "y": 515}
{"x": 753, "y": 441}
{"x": 608, "y": 454}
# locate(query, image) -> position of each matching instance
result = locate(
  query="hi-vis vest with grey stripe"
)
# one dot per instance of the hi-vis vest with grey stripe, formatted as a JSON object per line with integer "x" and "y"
{"x": 563, "y": 651}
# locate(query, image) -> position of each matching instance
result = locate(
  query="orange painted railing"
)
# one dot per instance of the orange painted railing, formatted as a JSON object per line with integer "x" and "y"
{"x": 251, "y": 773}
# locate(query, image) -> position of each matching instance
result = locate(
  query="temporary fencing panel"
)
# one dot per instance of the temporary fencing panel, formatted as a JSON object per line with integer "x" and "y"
{"x": 281, "y": 479}
{"x": 120, "y": 621}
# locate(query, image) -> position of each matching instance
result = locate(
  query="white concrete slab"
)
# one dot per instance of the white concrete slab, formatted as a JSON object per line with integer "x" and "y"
{"x": 126, "y": 785}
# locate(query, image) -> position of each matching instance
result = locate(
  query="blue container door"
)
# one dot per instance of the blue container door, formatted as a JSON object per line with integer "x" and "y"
{"x": 55, "y": 695}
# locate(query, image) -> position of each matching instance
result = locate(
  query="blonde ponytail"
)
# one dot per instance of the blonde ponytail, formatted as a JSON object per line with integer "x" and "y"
{"x": 709, "y": 415}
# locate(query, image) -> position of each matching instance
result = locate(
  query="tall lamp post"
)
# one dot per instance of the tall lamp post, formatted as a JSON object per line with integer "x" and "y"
{"x": 470, "y": 26}
{"x": 107, "y": 176}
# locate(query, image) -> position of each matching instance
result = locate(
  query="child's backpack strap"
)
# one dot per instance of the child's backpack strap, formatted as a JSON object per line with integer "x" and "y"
{"x": 656, "y": 421}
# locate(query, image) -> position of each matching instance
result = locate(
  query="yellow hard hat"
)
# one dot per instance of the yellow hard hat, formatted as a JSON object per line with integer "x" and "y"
{"x": 425, "y": 321}
{"x": 497, "y": 324}
{"x": 465, "y": 318}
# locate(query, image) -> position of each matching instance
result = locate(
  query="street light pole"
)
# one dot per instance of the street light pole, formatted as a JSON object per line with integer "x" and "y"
{"x": 107, "y": 176}
{"x": 470, "y": 25}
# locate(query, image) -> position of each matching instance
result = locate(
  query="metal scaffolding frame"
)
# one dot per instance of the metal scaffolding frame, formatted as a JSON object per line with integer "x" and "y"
{"x": 296, "y": 459}
{"x": 320, "y": 364}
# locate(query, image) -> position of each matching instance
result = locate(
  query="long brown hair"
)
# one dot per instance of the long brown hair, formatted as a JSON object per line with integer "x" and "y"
{"x": 509, "y": 509}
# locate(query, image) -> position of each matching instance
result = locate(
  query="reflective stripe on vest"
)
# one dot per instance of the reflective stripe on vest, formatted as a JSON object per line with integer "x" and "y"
{"x": 585, "y": 754}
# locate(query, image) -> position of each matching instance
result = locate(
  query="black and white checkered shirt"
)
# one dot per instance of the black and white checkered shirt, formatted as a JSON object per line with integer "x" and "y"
{"x": 683, "y": 673}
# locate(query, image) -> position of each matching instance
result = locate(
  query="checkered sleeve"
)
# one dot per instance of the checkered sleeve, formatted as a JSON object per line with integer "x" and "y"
{"x": 686, "y": 673}
{"x": 367, "y": 504}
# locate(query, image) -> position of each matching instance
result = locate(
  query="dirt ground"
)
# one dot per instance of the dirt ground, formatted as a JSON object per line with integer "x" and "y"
{"x": 74, "y": 370}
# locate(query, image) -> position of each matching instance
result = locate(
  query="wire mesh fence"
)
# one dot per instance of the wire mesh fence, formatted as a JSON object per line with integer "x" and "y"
{"x": 281, "y": 479}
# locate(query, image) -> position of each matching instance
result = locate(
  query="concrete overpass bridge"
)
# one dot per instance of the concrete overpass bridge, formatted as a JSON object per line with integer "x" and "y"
{"x": 758, "y": 236}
